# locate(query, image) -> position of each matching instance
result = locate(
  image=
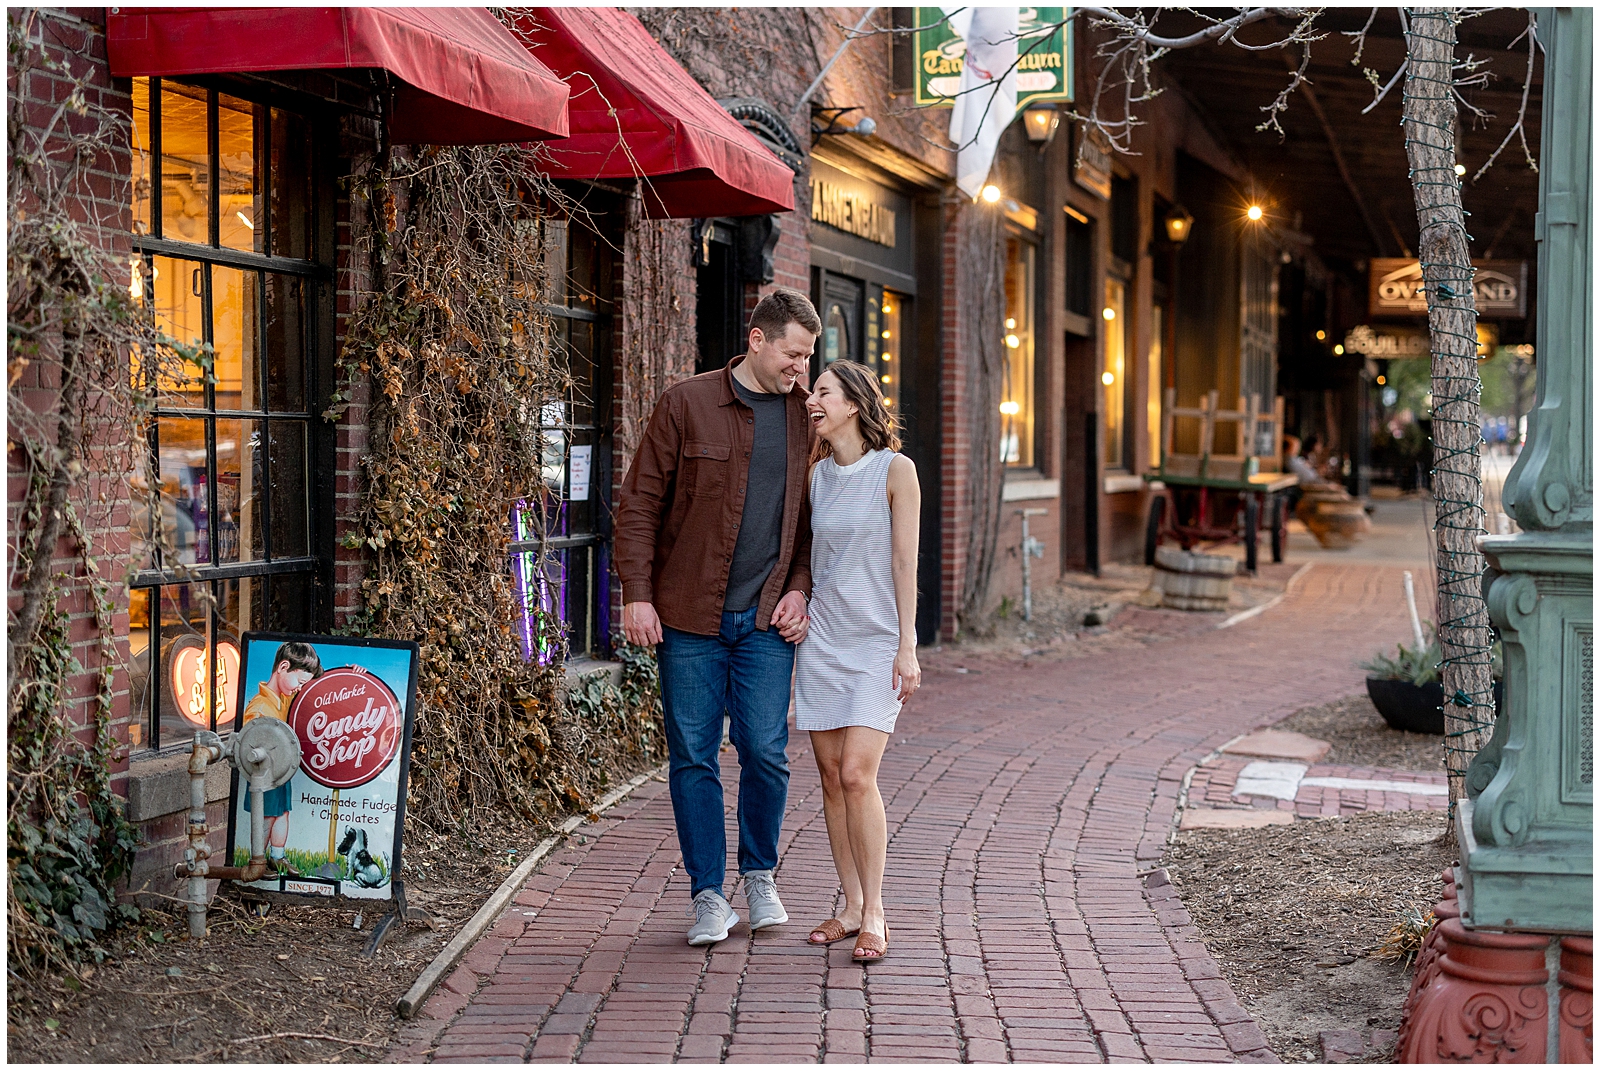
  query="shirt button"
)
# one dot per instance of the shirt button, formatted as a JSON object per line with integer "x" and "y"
{"x": 749, "y": 420}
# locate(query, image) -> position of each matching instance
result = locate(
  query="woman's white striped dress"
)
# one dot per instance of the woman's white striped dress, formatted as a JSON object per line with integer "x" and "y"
{"x": 844, "y": 668}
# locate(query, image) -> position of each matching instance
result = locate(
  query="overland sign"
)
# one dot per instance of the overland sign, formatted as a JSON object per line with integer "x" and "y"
{"x": 1500, "y": 287}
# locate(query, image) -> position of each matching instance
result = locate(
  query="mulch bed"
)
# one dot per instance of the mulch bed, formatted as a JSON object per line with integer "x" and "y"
{"x": 1292, "y": 914}
{"x": 1360, "y": 736}
{"x": 290, "y": 987}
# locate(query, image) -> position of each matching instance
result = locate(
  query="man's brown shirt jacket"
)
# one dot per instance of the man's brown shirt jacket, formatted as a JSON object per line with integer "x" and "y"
{"x": 683, "y": 499}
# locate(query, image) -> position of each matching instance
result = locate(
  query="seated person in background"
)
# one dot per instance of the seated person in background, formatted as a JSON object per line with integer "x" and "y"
{"x": 1297, "y": 458}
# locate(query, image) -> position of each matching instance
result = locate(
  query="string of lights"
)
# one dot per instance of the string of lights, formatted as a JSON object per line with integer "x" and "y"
{"x": 1465, "y": 636}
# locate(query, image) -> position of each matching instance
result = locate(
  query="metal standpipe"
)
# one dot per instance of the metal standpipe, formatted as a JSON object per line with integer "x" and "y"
{"x": 194, "y": 865}
{"x": 1031, "y": 549}
{"x": 267, "y": 752}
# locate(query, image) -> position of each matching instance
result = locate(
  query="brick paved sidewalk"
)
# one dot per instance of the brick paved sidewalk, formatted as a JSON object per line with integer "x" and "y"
{"x": 1027, "y": 807}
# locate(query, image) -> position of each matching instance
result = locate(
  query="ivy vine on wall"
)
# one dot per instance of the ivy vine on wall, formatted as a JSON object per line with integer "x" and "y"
{"x": 463, "y": 367}
{"x": 75, "y": 419}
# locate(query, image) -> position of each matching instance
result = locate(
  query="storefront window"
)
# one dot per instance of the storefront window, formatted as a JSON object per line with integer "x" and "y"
{"x": 1114, "y": 371}
{"x": 891, "y": 363}
{"x": 559, "y": 561}
{"x": 221, "y": 525}
{"x": 1153, "y": 384}
{"x": 1016, "y": 394}
{"x": 864, "y": 322}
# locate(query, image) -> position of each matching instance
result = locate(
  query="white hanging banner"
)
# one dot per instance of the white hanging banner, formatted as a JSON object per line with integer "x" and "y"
{"x": 987, "y": 101}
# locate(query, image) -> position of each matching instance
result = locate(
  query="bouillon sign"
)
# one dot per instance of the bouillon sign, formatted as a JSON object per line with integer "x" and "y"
{"x": 1500, "y": 288}
{"x": 1044, "y": 56}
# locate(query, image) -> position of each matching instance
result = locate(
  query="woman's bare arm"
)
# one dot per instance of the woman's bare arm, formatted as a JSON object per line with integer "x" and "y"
{"x": 905, "y": 528}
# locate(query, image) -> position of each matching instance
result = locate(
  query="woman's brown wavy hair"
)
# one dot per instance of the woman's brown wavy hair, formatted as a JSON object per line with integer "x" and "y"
{"x": 879, "y": 429}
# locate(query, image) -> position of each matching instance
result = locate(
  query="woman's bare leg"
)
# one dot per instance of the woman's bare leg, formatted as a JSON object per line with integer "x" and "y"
{"x": 828, "y": 747}
{"x": 868, "y": 830}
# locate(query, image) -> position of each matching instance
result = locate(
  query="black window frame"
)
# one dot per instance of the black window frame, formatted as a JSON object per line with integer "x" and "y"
{"x": 589, "y": 635}
{"x": 310, "y": 572}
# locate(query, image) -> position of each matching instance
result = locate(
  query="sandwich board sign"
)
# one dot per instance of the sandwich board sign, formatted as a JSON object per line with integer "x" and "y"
{"x": 335, "y": 829}
{"x": 1044, "y": 56}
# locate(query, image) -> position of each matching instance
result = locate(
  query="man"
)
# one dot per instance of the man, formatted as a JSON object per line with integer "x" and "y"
{"x": 294, "y": 665}
{"x": 713, "y": 545}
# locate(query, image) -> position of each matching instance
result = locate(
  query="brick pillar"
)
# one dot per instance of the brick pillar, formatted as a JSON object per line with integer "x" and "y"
{"x": 352, "y": 274}
{"x": 955, "y": 505}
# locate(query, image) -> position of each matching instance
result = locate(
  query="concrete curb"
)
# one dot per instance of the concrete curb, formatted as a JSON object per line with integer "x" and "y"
{"x": 435, "y": 972}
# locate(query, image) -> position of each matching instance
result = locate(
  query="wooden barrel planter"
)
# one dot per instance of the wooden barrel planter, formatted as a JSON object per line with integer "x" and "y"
{"x": 1413, "y": 708}
{"x": 1337, "y": 523}
{"x": 1194, "y": 581}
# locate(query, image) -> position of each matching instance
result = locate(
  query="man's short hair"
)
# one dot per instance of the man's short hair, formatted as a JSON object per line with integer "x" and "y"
{"x": 300, "y": 656}
{"x": 782, "y": 307}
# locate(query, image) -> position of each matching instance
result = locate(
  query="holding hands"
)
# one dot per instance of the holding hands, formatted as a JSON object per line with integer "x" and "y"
{"x": 790, "y": 617}
{"x": 642, "y": 626}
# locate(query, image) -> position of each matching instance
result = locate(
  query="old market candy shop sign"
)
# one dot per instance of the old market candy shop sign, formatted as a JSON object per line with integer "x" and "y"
{"x": 349, "y": 724}
{"x": 336, "y": 826}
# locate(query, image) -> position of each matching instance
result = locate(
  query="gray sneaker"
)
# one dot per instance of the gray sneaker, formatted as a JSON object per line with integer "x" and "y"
{"x": 762, "y": 894}
{"x": 713, "y": 917}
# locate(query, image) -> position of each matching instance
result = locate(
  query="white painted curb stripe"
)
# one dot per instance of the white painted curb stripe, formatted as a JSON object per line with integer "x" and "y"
{"x": 1245, "y": 615}
{"x": 1409, "y": 788}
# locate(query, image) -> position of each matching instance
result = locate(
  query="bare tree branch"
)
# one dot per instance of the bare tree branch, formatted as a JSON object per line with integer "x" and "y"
{"x": 1518, "y": 129}
{"x": 1281, "y": 104}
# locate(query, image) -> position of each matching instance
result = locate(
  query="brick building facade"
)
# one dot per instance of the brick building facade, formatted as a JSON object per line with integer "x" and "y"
{"x": 922, "y": 293}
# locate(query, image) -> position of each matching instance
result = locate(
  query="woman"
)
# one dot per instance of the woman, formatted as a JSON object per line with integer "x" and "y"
{"x": 859, "y": 662}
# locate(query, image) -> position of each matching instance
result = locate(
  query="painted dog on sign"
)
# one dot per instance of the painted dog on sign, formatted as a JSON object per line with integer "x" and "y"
{"x": 362, "y": 867}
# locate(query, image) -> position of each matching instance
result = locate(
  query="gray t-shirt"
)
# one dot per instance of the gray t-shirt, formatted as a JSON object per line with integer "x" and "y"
{"x": 761, "y": 525}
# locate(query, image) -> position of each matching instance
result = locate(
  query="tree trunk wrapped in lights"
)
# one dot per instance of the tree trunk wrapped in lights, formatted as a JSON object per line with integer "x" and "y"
{"x": 1429, "y": 120}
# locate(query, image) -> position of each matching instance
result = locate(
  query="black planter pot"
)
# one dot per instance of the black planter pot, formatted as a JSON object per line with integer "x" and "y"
{"x": 1413, "y": 708}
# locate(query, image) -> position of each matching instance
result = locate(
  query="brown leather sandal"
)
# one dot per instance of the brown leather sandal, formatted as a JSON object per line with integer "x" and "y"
{"x": 832, "y": 930}
{"x": 872, "y": 943}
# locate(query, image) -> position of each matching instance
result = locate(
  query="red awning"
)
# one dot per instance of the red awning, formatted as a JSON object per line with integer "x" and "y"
{"x": 465, "y": 78}
{"x": 636, "y": 113}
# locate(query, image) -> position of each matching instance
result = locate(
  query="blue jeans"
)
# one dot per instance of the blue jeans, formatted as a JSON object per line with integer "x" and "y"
{"x": 746, "y": 672}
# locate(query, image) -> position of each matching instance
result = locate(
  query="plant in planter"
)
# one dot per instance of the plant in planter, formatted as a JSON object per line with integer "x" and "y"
{"x": 1406, "y": 688}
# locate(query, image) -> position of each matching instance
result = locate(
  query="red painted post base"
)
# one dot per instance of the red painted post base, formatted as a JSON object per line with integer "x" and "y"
{"x": 1479, "y": 996}
{"x": 1577, "y": 1000}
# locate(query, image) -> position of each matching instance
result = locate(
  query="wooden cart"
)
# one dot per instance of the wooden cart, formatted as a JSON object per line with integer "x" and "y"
{"x": 1220, "y": 498}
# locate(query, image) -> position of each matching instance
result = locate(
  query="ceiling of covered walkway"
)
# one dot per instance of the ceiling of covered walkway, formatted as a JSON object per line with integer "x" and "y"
{"x": 1341, "y": 176}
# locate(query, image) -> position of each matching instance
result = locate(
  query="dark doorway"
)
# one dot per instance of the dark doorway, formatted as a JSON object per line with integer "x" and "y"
{"x": 840, "y": 301}
{"x": 719, "y": 302}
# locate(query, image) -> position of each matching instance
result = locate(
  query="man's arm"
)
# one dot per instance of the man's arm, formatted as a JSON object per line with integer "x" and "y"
{"x": 646, "y": 495}
{"x": 799, "y": 578}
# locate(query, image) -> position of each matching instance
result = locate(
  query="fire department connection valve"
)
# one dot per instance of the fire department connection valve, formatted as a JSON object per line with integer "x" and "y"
{"x": 267, "y": 753}
{"x": 1031, "y": 549}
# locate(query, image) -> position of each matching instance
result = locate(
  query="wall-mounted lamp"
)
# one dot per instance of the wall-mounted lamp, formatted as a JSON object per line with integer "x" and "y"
{"x": 1178, "y": 223}
{"x": 1041, "y": 123}
{"x": 1255, "y": 213}
{"x": 862, "y": 127}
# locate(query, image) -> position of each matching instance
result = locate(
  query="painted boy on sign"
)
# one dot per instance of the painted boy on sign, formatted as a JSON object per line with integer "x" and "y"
{"x": 294, "y": 665}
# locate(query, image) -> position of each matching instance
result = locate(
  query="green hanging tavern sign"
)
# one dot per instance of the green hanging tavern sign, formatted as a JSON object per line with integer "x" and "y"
{"x": 1044, "y": 57}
